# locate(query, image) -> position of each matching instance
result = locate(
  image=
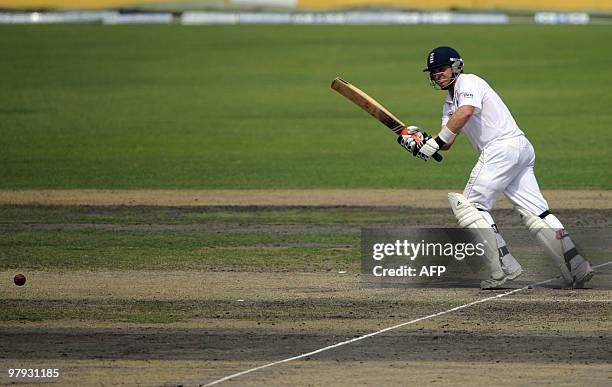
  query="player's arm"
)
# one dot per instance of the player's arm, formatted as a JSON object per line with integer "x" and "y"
{"x": 445, "y": 139}
{"x": 454, "y": 125}
{"x": 470, "y": 97}
{"x": 448, "y": 145}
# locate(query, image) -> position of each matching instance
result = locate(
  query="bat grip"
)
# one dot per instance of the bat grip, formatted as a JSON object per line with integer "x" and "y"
{"x": 436, "y": 156}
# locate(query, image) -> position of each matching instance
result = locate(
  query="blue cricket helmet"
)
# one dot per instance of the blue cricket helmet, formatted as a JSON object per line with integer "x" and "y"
{"x": 442, "y": 56}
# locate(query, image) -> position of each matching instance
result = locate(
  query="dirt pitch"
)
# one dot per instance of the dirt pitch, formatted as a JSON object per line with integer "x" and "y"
{"x": 537, "y": 336}
{"x": 424, "y": 198}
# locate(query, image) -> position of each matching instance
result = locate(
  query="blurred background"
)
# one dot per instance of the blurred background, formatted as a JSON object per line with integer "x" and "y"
{"x": 591, "y": 5}
{"x": 235, "y": 93}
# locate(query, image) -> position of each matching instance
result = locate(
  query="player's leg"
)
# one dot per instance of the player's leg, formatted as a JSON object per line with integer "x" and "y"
{"x": 492, "y": 173}
{"x": 471, "y": 219}
{"x": 525, "y": 193}
{"x": 510, "y": 266}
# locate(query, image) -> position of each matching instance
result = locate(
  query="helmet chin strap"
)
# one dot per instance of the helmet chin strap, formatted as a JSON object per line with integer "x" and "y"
{"x": 436, "y": 86}
{"x": 453, "y": 79}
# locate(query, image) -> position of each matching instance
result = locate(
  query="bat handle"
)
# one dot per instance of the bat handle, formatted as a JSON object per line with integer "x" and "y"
{"x": 436, "y": 156}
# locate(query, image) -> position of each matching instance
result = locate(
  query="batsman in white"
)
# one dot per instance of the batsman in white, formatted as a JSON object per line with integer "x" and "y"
{"x": 506, "y": 164}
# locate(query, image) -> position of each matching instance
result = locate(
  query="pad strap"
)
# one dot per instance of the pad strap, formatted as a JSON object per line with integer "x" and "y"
{"x": 569, "y": 255}
{"x": 544, "y": 214}
{"x": 503, "y": 251}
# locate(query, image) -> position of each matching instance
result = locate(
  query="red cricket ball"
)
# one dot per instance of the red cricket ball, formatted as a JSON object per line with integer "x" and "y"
{"x": 19, "y": 279}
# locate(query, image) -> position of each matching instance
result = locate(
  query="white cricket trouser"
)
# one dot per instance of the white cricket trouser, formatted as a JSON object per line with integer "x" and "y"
{"x": 506, "y": 166}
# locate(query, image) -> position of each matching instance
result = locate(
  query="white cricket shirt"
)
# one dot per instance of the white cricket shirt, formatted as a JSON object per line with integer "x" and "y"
{"x": 491, "y": 119}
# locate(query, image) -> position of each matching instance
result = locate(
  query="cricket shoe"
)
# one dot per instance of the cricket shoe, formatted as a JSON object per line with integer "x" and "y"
{"x": 493, "y": 283}
{"x": 510, "y": 266}
{"x": 581, "y": 271}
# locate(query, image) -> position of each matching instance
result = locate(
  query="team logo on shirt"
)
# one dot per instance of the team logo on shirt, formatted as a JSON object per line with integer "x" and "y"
{"x": 468, "y": 95}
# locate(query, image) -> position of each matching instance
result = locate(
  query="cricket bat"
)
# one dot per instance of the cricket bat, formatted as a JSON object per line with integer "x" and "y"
{"x": 373, "y": 107}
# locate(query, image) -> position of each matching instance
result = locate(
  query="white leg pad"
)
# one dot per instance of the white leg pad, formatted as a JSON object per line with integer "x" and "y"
{"x": 510, "y": 266}
{"x": 470, "y": 218}
{"x": 549, "y": 239}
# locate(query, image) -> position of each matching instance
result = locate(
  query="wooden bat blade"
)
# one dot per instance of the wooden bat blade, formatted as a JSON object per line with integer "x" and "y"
{"x": 367, "y": 103}
{"x": 372, "y": 106}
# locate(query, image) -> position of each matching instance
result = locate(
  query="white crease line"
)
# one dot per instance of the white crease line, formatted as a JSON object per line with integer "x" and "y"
{"x": 544, "y": 300}
{"x": 385, "y": 330}
{"x": 602, "y": 265}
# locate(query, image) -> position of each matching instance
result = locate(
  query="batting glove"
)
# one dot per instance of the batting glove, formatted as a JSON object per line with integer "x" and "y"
{"x": 429, "y": 147}
{"x": 412, "y": 138}
{"x": 412, "y": 129}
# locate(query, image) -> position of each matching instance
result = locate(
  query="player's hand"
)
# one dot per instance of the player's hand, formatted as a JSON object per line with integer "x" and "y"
{"x": 429, "y": 147}
{"x": 411, "y": 139}
{"x": 408, "y": 142}
{"x": 412, "y": 129}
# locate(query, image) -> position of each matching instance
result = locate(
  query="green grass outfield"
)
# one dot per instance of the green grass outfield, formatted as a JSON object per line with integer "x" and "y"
{"x": 92, "y": 106}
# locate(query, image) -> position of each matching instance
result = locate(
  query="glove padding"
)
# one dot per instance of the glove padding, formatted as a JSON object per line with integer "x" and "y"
{"x": 412, "y": 138}
{"x": 427, "y": 149}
